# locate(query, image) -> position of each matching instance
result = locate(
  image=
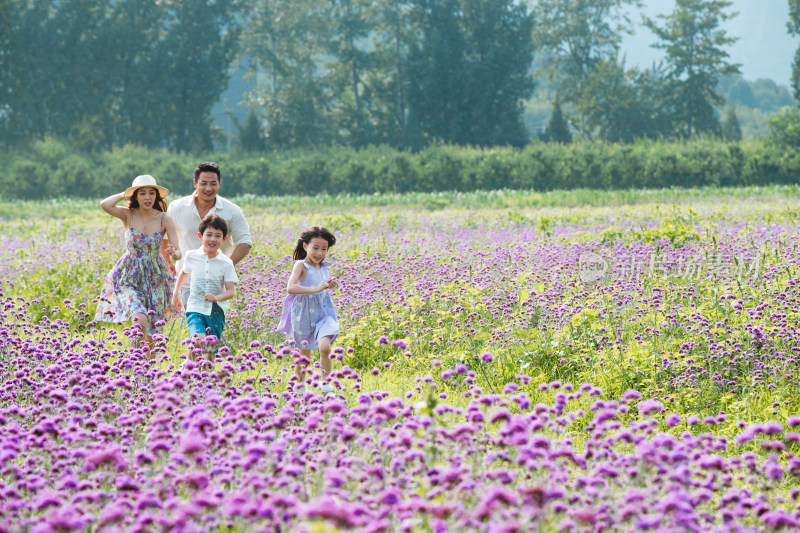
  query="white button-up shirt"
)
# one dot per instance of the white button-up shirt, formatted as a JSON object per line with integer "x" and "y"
{"x": 187, "y": 223}
{"x": 207, "y": 275}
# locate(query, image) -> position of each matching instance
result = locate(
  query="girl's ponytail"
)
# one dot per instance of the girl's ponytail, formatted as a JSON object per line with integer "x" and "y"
{"x": 299, "y": 251}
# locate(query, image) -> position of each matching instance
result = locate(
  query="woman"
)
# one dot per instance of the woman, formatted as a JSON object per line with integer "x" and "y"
{"x": 139, "y": 287}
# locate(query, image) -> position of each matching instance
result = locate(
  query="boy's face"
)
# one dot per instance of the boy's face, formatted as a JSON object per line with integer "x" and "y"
{"x": 212, "y": 239}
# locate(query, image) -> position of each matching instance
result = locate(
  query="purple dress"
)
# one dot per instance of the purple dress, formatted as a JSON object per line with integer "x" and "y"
{"x": 139, "y": 282}
{"x": 310, "y": 317}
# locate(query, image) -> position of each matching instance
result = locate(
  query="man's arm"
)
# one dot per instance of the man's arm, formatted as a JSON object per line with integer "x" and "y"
{"x": 240, "y": 252}
{"x": 240, "y": 232}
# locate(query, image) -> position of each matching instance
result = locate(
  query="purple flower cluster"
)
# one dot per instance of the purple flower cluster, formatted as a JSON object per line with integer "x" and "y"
{"x": 93, "y": 435}
{"x": 463, "y": 308}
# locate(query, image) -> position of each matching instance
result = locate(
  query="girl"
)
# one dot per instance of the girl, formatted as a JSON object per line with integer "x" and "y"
{"x": 140, "y": 282}
{"x": 308, "y": 313}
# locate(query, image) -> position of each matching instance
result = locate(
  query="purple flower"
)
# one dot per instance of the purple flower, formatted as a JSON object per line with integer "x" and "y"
{"x": 630, "y": 394}
{"x": 777, "y": 519}
{"x": 111, "y": 455}
{"x": 649, "y": 406}
{"x": 192, "y": 443}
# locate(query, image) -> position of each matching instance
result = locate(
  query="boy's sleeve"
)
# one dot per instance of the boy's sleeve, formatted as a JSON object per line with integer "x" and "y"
{"x": 230, "y": 273}
{"x": 186, "y": 267}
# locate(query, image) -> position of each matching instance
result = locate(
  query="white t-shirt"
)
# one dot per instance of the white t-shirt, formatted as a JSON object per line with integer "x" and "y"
{"x": 207, "y": 275}
{"x": 187, "y": 223}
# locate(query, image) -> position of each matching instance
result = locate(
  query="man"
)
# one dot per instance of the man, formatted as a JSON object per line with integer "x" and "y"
{"x": 190, "y": 210}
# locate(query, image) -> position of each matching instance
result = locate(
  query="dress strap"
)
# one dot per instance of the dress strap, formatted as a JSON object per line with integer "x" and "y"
{"x": 162, "y": 221}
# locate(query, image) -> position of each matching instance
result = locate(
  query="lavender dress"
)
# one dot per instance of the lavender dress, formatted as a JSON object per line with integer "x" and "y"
{"x": 139, "y": 282}
{"x": 310, "y": 317}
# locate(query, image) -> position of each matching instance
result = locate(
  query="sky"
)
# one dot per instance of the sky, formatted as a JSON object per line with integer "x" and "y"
{"x": 764, "y": 49}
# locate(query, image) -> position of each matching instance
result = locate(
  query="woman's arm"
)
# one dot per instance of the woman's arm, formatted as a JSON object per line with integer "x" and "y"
{"x": 109, "y": 205}
{"x": 298, "y": 274}
{"x": 176, "y": 294}
{"x": 172, "y": 237}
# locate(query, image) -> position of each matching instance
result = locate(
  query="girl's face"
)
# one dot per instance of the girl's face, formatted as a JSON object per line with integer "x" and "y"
{"x": 316, "y": 250}
{"x": 146, "y": 196}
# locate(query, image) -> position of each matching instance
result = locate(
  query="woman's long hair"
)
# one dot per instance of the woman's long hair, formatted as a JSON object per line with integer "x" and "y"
{"x": 307, "y": 235}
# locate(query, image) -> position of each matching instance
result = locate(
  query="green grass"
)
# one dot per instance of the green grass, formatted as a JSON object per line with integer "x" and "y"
{"x": 501, "y": 199}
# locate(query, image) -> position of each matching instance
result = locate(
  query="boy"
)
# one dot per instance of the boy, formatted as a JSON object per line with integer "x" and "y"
{"x": 212, "y": 284}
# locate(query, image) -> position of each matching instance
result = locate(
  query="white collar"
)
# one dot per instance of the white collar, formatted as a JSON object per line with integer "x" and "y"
{"x": 216, "y": 207}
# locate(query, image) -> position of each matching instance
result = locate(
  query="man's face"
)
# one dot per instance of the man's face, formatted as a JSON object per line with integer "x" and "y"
{"x": 207, "y": 186}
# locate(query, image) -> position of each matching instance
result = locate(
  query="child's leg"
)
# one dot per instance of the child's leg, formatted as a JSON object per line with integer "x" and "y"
{"x": 197, "y": 331}
{"x": 140, "y": 321}
{"x": 199, "y": 342}
{"x": 300, "y": 369}
{"x": 325, "y": 355}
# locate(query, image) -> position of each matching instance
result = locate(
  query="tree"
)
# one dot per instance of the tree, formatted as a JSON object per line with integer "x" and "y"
{"x": 731, "y": 130}
{"x": 784, "y": 128}
{"x": 6, "y": 49}
{"x": 794, "y": 29}
{"x": 557, "y": 129}
{"x": 351, "y": 21}
{"x": 578, "y": 36}
{"x": 105, "y": 73}
{"x": 287, "y": 42}
{"x": 251, "y": 135}
{"x": 498, "y": 56}
{"x": 623, "y": 105}
{"x": 740, "y": 92}
{"x": 468, "y": 71}
{"x": 199, "y": 44}
{"x": 52, "y": 82}
{"x": 387, "y": 76}
{"x": 135, "y": 104}
{"x": 694, "y": 42}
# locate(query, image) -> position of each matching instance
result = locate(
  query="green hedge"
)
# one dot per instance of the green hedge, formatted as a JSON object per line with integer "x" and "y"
{"x": 49, "y": 169}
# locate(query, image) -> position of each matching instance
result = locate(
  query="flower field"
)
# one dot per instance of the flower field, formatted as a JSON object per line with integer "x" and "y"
{"x": 628, "y": 363}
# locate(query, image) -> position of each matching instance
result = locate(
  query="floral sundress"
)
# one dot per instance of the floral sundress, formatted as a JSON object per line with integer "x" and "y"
{"x": 139, "y": 282}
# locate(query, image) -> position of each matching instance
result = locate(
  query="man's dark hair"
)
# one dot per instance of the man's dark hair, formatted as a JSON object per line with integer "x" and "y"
{"x": 216, "y": 222}
{"x": 208, "y": 166}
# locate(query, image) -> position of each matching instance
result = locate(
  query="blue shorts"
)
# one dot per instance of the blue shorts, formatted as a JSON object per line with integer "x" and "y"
{"x": 207, "y": 324}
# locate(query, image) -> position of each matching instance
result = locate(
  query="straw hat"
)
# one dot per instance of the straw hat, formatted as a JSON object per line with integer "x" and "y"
{"x": 145, "y": 180}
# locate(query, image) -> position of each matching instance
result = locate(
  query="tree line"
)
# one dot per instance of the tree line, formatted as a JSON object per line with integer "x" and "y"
{"x": 354, "y": 73}
{"x": 51, "y": 168}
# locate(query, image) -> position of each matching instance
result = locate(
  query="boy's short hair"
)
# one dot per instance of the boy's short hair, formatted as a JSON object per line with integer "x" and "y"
{"x": 216, "y": 222}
